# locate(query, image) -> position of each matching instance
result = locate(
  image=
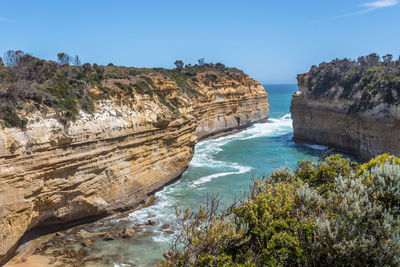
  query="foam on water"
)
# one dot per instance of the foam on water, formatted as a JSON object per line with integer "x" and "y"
{"x": 317, "y": 147}
{"x": 208, "y": 178}
{"x": 205, "y": 150}
{"x": 273, "y": 127}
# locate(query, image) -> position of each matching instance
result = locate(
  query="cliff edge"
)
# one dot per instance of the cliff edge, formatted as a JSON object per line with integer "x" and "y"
{"x": 102, "y": 141}
{"x": 352, "y": 106}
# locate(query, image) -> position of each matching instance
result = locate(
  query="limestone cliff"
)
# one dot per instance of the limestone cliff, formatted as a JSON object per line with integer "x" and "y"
{"x": 54, "y": 171}
{"x": 357, "y": 124}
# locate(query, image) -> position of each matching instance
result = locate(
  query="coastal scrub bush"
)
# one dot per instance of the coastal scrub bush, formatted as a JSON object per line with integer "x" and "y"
{"x": 366, "y": 81}
{"x": 67, "y": 86}
{"x": 329, "y": 213}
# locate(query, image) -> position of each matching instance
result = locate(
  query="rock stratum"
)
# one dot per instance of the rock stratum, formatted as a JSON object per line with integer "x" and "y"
{"x": 352, "y": 107}
{"x": 140, "y": 137}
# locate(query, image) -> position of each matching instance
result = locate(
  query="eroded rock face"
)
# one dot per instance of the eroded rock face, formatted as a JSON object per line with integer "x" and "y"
{"x": 53, "y": 173}
{"x": 328, "y": 122}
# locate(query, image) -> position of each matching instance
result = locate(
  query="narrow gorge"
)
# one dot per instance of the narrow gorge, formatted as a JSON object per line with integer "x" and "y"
{"x": 117, "y": 135}
{"x": 350, "y": 106}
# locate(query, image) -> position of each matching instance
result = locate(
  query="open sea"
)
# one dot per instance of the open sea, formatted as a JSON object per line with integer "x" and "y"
{"x": 223, "y": 166}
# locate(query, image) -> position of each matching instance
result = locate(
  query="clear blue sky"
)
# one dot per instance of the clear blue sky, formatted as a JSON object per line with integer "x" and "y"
{"x": 270, "y": 40}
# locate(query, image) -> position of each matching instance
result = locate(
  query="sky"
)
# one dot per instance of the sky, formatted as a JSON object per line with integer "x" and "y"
{"x": 271, "y": 40}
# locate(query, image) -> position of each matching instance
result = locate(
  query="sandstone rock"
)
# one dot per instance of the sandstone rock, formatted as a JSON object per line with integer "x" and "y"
{"x": 129, "y": 232}
{"x": 109, "y": 237}
{"x": 86, "y": 235}
{"x": 151, "y": 222}
{"x": 87, "y": 243}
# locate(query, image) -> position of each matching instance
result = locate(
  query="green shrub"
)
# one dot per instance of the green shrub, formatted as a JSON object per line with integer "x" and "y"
{"x": 329, "y": 213}
{"x": 175, "y": 101}
{"x": 143, "y": 88}
{"x": 12, "y": 119}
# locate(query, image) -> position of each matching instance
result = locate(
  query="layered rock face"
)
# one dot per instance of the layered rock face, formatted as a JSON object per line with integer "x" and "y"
{"x": 52, "y": 173}
{"x": 331, "y": 121}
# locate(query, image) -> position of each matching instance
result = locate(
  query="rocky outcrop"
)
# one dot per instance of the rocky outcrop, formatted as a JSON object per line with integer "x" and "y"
{"x": 329, "y": 121}
{"x": 52, "y": 172}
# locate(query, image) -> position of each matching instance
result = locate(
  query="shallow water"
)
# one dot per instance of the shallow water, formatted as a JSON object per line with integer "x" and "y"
{"x": 222, "y": 166}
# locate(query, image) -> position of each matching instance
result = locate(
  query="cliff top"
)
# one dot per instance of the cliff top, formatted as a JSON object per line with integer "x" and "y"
{"x": 367, "y": 81}
{"x": 29, "y": 84}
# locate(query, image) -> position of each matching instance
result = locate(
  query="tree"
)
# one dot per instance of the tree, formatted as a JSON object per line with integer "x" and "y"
{"x": 220, "y": 66}
{"x": 201, "y": 62}
{"x": 63, "y": 58}
{"x": 1, "y": 62}
{"x": 179, "y": 65}
{"x": 373, "y": 59}
{"x": 387, "y": 58}
{"x": 76, "y": 61}
{"x": 12, "y": 57}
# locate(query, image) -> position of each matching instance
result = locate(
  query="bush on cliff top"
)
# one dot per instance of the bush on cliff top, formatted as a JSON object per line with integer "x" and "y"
{"x": 331, "y": 213}
{"x": 28, "y": 83}
{"x": 367, "y": 81}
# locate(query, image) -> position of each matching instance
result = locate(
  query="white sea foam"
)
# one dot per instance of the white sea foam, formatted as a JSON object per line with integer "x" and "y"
{"x": 317, "y": 147}
{"x": 206, "y": 179}
{"x": 273, "y": 127}
{"x": 205, "y": 150}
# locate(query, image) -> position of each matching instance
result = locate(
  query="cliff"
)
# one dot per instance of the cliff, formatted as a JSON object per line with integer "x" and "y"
{"x": 350, "y": 106}
{"x": 138, "y": 136}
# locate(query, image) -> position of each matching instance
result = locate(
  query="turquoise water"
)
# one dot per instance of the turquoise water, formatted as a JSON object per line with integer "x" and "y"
{"x": 222, "y": 166}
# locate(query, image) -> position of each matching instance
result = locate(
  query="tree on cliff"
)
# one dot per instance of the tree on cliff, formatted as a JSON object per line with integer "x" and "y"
{"x": 76, "y": 61}
{"x": 373, "y": 59}
{"x": 179, "y": 65}
{"x": 220, "y": 67}
{"x": 63, "y": 58}
{"x": 201, "y": 62}
{"x": 11, "y": 57}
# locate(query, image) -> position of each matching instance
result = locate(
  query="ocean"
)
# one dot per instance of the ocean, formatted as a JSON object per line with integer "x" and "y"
{"x": 221, "y": 167}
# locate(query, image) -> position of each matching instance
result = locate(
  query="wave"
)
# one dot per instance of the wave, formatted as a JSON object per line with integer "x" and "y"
{"x": 205, "y": 149}
{"x": 316, "y": 147}
{"x": 206, "y": 179}
{"x": 273, "y": 127}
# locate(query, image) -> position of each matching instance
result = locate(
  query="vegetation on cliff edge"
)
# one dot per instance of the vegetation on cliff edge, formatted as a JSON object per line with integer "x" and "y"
{"x": 28, "y": 83}
{"x": 367, "y": 81}
{"x": 329, "y": 213}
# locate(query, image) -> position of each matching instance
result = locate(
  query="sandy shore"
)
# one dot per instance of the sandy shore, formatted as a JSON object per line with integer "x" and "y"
{"x": 31, "y": 261}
